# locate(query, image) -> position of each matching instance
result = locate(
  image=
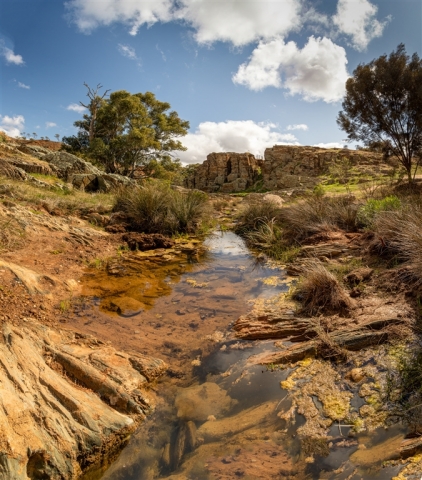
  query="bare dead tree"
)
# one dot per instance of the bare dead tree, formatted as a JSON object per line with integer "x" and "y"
{"x": 93, "y": 105}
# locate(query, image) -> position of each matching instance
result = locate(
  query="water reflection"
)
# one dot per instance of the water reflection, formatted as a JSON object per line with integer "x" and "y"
{"x": 220, "y": 418}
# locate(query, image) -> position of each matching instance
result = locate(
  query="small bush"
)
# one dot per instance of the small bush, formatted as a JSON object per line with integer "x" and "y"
{"x": 319, "y": 291}
{"x": 369, "y": 211}
{"x": 399, "y": 233}
{"x": 267, "y": 237}
{"x": 185, "y": 211}
{"x": 255, "y": 215}
{"x": 317, "y": 214}
{"x": 155, "y": 208}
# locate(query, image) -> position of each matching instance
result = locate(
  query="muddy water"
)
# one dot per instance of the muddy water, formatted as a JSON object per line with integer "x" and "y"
{"x": 216, "y": 417}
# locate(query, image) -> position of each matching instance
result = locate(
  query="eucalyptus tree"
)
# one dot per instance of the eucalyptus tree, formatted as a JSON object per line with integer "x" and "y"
{"x": 383, "y": 107}
{"x": 128, "y": 131}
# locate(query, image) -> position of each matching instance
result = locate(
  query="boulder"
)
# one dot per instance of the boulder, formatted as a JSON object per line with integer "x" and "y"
{"x": 34, "y": 150}
{"x": 66, "y": 165}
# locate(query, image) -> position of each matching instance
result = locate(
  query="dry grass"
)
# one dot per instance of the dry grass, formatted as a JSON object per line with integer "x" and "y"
{"x": 71, "y": 202}
{"x": 318, "y": 214}
{"x": 155, "y": 208}
{"x": 399, "y": 233}
{"x": 12, "y": 234}
{"x": 255, "y": 215}
{"x": 319, "y": 291}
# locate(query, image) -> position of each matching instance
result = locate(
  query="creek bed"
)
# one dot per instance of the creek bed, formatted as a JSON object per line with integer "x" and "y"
{"x": 216, "y": 416}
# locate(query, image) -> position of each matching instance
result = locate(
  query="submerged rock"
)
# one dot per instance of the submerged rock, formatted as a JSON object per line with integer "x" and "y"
{"x": 199, "y": 402}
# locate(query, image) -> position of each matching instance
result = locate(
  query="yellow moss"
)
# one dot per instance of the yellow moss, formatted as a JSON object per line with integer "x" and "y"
{"x": 273, "y": 281}
{"x": 288, "y": 384}
{"x": 306, "y": 362}
{"x": 335, "y": 407}
{"x": 195, "y": 284}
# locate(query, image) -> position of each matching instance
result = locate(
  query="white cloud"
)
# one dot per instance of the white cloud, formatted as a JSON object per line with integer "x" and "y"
{"x": 240, "y": 22}
{"x": 329, "y": 145}
{"x": 127, "y": 51}
{"x": 317, "y": 71}
{"x": 356, "y": 19}
{"x": 12, "y": 126}
{"x": 231, "y": 136}
{"x": 50, "y": 124}
{"x": 300, "y": 126}
{"x": 22, "y": 85}
{"x": 90, "y": 14}
{"x": 75, "y": 107}
{"x": 10, "y": 56}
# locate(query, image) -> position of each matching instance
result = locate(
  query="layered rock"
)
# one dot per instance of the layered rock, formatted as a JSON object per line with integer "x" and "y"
{"x": 83, "y": 175}
{"x": 288, "y": 166}
{"x": 67, "y": 401}
{"x": 225, "y": 172}
{"x": 284, "y": 166}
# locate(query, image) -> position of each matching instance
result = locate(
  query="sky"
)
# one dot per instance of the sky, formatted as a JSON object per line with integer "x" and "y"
{"x": 246, "y": 74}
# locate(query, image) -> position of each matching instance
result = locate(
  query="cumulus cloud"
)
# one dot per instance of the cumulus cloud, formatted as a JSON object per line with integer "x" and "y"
{"x": 10, "y": 56}
{"x": 12, "y": 126}
{"x": 239, "y": 22}
{"x": 231, "y": 136}
{"x": 22, "y": 85}
{"x": 317, "y": 71}
{"x": 50, "y": 124}
{"x": 127, "y": 51}
{"x": 329, "y": 145}
{"x": 90, "y": 14}
{"x": 300, "y": 126}
{"x": 75, "y": 107}
{"x": 356, "y": 19}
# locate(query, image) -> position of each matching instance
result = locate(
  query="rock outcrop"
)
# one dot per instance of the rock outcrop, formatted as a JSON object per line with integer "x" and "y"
{"x": 225, "y": 172}
{"x": 284, "y": 166}
{"x": 288, "y": 166}
{"x": 83, "y": 175}
{"x": 67, "y": 401}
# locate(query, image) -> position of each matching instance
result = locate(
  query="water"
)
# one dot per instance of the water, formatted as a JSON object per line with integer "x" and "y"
{"x": 216, "y": 417}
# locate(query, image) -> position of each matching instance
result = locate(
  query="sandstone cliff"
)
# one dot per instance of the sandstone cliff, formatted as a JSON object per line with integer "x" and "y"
{"x": 284, "y": 166}
{"x": 225, "y": 172}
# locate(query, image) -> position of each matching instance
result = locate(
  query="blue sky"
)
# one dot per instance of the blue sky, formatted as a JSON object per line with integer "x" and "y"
{"x": 247, "y": 74}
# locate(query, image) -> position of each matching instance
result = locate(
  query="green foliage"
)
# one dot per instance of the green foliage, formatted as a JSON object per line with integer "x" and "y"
{"x": 340, "y": 170}
{"x": 368, "y": 212}
{"x": 155, "y": 208}
{"x": 126, "y": 131}
{"x": 383, "y": 107}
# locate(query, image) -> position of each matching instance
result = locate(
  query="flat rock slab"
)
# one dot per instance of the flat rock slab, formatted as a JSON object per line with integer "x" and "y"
{"x": 67, "y": 400}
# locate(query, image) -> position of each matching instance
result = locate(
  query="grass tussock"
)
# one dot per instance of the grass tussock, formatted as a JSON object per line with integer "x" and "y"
{"x": 255, "y": 215}
{"x": 319, "y": 291}
{"x": 398, "y": 234}
{"x": 12, "y": 234}
{"x": 154, "y": 208}
{"x": 318, "y": 214}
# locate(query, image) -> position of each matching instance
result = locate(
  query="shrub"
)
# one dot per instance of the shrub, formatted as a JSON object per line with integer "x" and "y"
{"x": 255, "y": 215}
{"x": 399, "y": 233}
{"x": 316, "y": 214}
{"x": 185, "y": 211}
{"x": 319, "y": 291}
{"x": 145, "y": 206}
{"x": 369, "y": 211}
{"x": 268, "y": 238}
{"x": 154, "y": 208}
